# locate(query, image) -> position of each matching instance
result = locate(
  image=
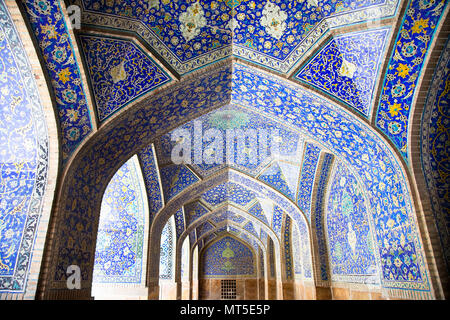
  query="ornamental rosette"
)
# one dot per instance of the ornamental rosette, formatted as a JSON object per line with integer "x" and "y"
{"x": 273, "y": 19}
{"x": 191, "y": 21}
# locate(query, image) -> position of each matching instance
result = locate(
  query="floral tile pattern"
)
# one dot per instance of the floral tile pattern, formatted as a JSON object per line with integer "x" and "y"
{"x": 24, "y": 147}
{"x": 190, "y": 34}
{"x": 405, "y": 66}
{"x": 250, "y": 136}
{"x": 119, "y": 72}
{"x": 287, "y": 247}
{"x": 120, "y": 239}
{"x": 55, "y": 46}
{"x": 308, "y": 172}
{"x": 179, "y": 222}
{"x": 227, "y": 257}
{"x": 152, "y": 180}
{"x": 319, "y": 216}
{"x": 434, "y": 143}
{"x": 230, "y": 192}
{"x": 167, "y": 251}
{"x": 350, "y": 244}
{"x": 175, "y": 178}
{"x": 347, "y": 67}
{"x": 282, "y": 176}
{"x": 373, "y": 161}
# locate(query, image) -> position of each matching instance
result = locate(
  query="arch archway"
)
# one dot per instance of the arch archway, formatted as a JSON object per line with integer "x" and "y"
{"x": 314, "y": 116}
{"x": 239, "y": 265}
{"x": 29, "y": 160}
{"x": 426, "y": 112}
{"x": 121, "y": 250}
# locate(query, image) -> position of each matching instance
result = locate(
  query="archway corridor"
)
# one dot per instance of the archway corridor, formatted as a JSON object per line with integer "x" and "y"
{"x": 224, "y": 150}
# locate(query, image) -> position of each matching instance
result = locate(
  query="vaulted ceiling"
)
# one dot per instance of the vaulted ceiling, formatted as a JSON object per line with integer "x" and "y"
{"x": 191, "y": 34}
{"x": 334, "y": 79}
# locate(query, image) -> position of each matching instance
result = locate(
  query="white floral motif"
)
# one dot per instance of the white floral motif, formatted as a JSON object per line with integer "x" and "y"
{"x": 347, "y": 69}
{"x": 273, "y": 20}
{"x": 118, "y": 73}
{"x": 153, "y": 4}
{"x": 351, "y": 237}
{"x": 312, "y": 3}
{"x": 192, "y": 20}
{"x": 233, "y": 24}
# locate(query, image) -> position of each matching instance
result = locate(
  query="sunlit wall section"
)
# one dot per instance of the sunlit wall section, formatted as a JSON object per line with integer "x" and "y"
{"x": 350, "y": 245}
{"x": 24, "y": 166}
{"x": 167, "y": 261}
{"x": 121, "y": 251}
{"x": 195, "y": 274}
{"x": 185, "y": 261}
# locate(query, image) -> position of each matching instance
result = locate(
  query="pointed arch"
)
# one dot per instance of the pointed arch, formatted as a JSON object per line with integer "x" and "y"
{"x": 121, "y": 249}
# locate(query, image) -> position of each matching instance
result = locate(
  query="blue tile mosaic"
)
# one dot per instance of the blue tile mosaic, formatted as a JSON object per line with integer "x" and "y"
{"x": 119, "y": 72}
{"x": 152, "y": 180}
{"x": 167, "y": 251}
{"x": 283, "y": 176}
{"x": 257, "y": 212}
{"x": 230, "y": 192}
{"x": 179, "y": 222}
{"x": 347, "y": 68}
{"x": 306, "y": 182}
{"x": 405, "y": 66}
{"x": 175, "y": 178}
{"x": 55, "y": 46}
{"x": 372, "y": 159}
{"x": 250, "y": 155}
{"x": 350, "y": 244}
{"x": 204, "y": 228}
{"x": 369, "y": 157}
{"x": 287, "y": 248}
{"x": 227, "y": 257}
{"x": 296, "y": 252}
{"x": 318, "y": 216}
{"x": 190, "y": 34}
{"x": 250, "y": 228}
{"x": 181, "y": 32}
{"x": 435, "y": 155}
{"x": 227, "y": 216}
{"x": 194, "y": 211}
{"x": 23, "y": 158}
{"x": 120, "y": 238}
{"x": 277, "y": 220}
